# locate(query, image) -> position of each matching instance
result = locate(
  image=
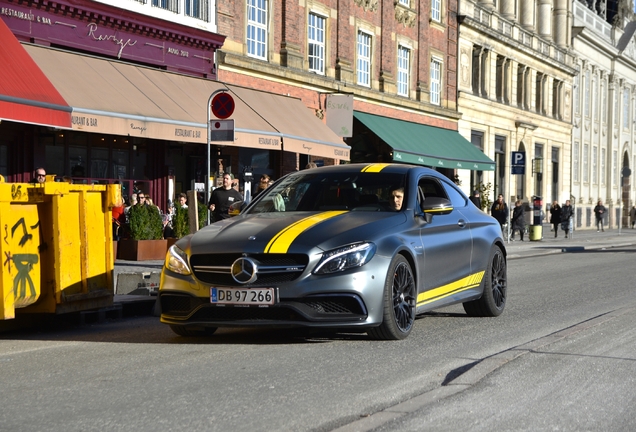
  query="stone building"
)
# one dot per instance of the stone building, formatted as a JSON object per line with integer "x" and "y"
{"x": 515, "y": 92}
{"x": 604, "y": 110}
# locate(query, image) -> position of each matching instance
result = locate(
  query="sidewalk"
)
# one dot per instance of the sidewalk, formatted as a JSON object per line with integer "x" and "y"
{"x": 581, "y": 240}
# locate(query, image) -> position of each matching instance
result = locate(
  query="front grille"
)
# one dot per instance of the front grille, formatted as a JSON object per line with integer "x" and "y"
{"x": 274, "y": 269}
{"x": 319, "y": 308}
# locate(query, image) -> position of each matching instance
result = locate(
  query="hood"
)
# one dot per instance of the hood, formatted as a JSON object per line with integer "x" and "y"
{"x": 292, "y": 232}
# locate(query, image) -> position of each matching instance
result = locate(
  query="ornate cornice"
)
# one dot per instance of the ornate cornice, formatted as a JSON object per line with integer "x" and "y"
{"x": 404, "y": 15}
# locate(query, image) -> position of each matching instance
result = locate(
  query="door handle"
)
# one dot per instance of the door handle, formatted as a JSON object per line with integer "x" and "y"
{"x": 461, "y": 223}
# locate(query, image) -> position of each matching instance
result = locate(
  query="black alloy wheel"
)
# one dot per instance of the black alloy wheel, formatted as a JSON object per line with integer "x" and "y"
{"x": 495, "y": 284}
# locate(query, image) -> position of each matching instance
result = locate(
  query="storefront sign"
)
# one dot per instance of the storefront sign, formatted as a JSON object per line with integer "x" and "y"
{"x": 340, "y": 114}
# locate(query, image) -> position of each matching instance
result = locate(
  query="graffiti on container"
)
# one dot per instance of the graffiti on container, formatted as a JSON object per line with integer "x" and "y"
{"x": 23, "y": 262}
{"x": 16, "y": 191}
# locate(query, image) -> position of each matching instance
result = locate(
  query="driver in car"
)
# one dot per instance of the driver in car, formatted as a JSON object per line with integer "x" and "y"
{"x": 396, "y": 198}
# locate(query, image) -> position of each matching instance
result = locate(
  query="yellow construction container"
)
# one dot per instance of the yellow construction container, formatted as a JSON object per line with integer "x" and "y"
{"x": 56, "y": 244}
{"x": 536, "y": 232}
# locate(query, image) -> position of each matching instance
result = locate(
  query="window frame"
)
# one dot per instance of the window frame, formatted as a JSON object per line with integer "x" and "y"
{"x": 436, "y": 12}
{"x": 258, "y": 28}
{"x": 364, "y": 60}
{"x": 435, "y": 94}
{"x": 403, "y": 81}
{"x": 321, "y": 45}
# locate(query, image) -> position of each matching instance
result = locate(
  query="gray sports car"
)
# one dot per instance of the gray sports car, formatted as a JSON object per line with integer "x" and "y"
{"x": 356, "y": 248}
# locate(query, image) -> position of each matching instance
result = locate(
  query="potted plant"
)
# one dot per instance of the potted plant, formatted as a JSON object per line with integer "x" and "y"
{"x": 146, "y": 235}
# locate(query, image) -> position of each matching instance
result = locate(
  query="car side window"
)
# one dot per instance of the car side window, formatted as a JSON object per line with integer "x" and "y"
{"x": 455, "y": 196}
{"x": 430, "y": 187}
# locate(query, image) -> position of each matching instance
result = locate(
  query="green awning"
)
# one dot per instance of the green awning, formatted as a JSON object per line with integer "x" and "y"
{"x": 426, "y": 145}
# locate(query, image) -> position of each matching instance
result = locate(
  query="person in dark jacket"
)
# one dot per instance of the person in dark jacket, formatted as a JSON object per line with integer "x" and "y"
{"x": 599, "y": 212}
{"x": 518, "y": 222}
{"x": 566, "y": 214}
{"x": 555, "y": 217}
{"x": 476, "y": 199}
{"x": 499, "y": 211}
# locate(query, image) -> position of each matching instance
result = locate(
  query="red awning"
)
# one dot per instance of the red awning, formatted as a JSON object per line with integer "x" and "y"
{"x": 26, "y": 94}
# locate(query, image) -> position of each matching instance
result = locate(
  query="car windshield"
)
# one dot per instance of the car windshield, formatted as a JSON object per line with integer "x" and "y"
{"x": 329, "y": 191}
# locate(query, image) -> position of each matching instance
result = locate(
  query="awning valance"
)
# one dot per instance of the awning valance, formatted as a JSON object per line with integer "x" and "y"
{"x": 26, "y": 95}
{"x": 113, "y": 97}
{"x": 426, "y": 145}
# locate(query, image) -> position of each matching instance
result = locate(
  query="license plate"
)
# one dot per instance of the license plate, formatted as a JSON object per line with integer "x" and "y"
{"x": 242, "y": 296}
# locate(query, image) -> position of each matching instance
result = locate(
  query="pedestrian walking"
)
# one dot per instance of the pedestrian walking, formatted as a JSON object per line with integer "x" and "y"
{"x": 518, "y": 222}
{"x": 499, "y": 211}
{"x": 566, "y": 215}
{"x": 555, "y": 217}
{"x": 599, "y": 212}
{"x": 632, "y": 216}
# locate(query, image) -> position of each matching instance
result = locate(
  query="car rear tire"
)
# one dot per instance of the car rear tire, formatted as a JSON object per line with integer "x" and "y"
{"x": 186, "y": 331}
{"x": 399, "y": 302}
{"x": 495, "y": 284}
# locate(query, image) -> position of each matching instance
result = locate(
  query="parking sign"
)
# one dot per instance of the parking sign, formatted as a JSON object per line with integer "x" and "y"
{"x": 518, "y": 163}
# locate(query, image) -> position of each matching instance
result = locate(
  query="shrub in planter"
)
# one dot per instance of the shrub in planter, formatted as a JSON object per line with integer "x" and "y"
{"x": 145, "y": 223}
{"x": 181, "y": 222}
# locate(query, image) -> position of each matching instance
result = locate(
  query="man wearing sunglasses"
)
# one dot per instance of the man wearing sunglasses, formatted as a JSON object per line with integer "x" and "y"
{"x": 39, "y": 175}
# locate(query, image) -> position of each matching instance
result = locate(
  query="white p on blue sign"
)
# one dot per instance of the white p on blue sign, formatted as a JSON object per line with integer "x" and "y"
{"x": 518, "y": 163}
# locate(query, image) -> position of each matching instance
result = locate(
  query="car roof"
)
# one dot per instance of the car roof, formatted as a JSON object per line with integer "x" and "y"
{"x": 391, "y": 168}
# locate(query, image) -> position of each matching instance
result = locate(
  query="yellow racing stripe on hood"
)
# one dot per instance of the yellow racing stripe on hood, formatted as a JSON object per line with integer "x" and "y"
{"x": 280, "y": 242}
{"x": 375, "y": 167}
{"x": 447, "y": 290}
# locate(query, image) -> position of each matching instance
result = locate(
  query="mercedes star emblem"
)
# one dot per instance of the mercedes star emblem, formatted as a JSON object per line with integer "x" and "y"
{"x": 244, "y": 270}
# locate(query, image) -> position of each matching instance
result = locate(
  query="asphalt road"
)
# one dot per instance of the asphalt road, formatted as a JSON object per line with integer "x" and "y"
{"x": 561, "y": 357}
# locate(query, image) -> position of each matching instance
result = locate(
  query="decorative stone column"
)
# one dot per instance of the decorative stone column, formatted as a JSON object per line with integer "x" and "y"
{"x": 487, "y": 4}
{"x": 508, "y": 10}
{"x": 527, "y": 14}
{"x": 545, "y": 19}
{"x": 561, "y": 23}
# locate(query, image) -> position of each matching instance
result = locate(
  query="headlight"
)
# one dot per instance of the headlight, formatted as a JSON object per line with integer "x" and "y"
{"x": 353, "y": 255}
{"x": 177, "y": 261}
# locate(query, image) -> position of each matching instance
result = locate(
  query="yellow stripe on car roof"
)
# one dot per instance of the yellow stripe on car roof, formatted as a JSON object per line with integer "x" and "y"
{"x": 375, "y": 167}
{"x": 447, "y": 290}
{"x": 280, "y": 242}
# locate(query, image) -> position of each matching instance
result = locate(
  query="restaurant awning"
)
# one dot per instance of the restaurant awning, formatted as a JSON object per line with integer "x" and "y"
{"x": 26, "y": 95}
{"x": 113, "y": 97}
{"x": 426, "y": 145}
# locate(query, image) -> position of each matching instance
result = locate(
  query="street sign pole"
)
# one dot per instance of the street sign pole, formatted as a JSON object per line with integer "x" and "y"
{"x": 209, "y": 146}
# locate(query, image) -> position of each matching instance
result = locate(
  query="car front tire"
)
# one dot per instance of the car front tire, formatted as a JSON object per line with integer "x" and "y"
{"x": 399, "y": 302}
{"x": 495, "y": 285}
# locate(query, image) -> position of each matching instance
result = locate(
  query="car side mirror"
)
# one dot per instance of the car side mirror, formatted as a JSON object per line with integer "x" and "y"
{"x": 436, "y": 205}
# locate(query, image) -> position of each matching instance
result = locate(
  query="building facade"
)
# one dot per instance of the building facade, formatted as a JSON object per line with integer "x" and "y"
{"x": 383, "y": 71}
{"x": 515, "y": 79}
{"x": 604, "y": 116}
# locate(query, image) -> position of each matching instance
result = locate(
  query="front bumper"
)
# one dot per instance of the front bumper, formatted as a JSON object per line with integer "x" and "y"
{"x": 350, "y": 299}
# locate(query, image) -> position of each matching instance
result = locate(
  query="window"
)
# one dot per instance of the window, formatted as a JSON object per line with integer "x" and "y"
{"x": 404, "y": 55}
{"x": 257, "y": 28}
{"x": 406, "y": 3}
{"x": 614, "y": 167}
{"x": 171, "y": 5}
{"x": 575, "y": 161}
{"x": 316, "y": 41}
{"x": 436, "y": 10}
{"x": 616, "y": 114}
{"x": 556, "y": 98}
{"x": 594, "y": 165}
{"x": 436, "y": 81}
{"x": 625, "y": 108}
{"x": 587, "y": 94}
{"x": 575, "y": 95}
{"x": 603, "y": 102}
{"x": 197, "y": 9}
{"x": 364, "y": 59}
{"x": 585, "y": 163}
{"x": 602, "y": 166}
{"x": 540, "y": 102}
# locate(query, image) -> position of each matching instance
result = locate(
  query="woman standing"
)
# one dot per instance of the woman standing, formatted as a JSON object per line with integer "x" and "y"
{"x": 599, "y": 212}
{"x": 555, "y": 216}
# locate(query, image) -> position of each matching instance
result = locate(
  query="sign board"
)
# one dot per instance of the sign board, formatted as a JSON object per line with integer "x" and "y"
{"x": 222, "y": 130}
{"x": 222, "y": 105}
{"x": 518, "y": 163}
{"x": 339, "y": 112}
